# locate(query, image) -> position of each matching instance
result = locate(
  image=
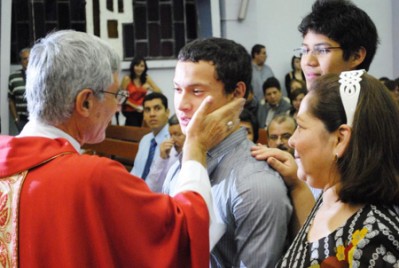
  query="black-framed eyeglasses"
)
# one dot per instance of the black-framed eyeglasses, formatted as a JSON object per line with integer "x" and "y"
{"x": 316, "y": 51}
{"x": 121, "y": 95}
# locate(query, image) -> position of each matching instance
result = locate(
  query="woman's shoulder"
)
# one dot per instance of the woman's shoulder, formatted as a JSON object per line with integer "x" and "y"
{"x": 381, "y": 211}
{"x": 126, "y": 78}
{"x": 149, "y": 79}
{"x": 375, "y": 220}
{"x": 288, "y": 75}
{"x": 377, "y": 230}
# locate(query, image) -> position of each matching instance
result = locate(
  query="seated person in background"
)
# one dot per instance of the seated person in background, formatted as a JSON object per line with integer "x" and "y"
{"x": 279, "y": 131}
{"x": 138, "y": 83}
{"x": 251, "y": 104}
{"x": 354, "y": 223}
{"x": 295, "y": 74}
{"x": 296, "y": 84}
{"x": 297, "y": 96}
{"x": 393, "y": 88}
{"x": 156, "y": 114}
{"x": 383, "y": 79}
{"x": 63, "y": 208}
{"x": 250, "y": 197}
{"x": 170, "y": 150}
{"x": 249, "y": 122}
{"x": 274, "y": 102}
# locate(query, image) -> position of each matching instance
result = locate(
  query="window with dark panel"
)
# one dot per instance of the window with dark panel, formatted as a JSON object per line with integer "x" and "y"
{"x": 158, "y": 31}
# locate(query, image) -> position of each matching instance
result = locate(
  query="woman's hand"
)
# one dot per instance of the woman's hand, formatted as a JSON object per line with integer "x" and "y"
{"x": 283, "y": 162}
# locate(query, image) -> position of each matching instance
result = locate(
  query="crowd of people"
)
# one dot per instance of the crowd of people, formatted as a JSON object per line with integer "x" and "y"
{"x": 202, "y": 191}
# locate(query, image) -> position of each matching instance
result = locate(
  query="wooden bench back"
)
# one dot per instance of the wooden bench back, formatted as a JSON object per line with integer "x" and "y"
{"x": 128, "y": 133}
{"x": 262, "y": 138}
{"x": 112, "y": 148}
{"x": 121, "y": 144}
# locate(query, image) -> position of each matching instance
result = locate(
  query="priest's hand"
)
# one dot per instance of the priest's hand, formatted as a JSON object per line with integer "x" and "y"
{"x": 208, "y": 128}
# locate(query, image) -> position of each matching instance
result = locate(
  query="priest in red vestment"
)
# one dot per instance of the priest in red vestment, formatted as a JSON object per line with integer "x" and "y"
{"x": 59, "y": 208}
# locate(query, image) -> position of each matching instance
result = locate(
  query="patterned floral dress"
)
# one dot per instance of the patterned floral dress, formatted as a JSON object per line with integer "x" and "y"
{"x": 369, "y": 238}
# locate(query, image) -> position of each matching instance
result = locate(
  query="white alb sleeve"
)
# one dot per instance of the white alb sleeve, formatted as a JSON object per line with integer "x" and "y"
{"x": 194, "y": 177}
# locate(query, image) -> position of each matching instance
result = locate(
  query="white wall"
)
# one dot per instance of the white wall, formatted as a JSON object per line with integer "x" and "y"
{"x": 274, "y": 23}
{"x": 162, "y": 73}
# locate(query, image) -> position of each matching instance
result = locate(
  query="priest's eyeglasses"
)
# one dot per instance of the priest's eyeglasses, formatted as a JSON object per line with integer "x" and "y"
{"x": 121, "y": 95}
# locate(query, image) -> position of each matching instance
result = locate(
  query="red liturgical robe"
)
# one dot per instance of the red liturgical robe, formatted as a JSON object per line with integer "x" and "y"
{"x": 88, "y": 211}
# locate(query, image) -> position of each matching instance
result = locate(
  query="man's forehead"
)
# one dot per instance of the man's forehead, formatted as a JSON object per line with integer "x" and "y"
{"x": 271, "y": 89}
{"x": 195, "y": 74}
{"x": 318, "y": 39}
{"x": 285, "y": 126}
{"x": 174, "y": 128}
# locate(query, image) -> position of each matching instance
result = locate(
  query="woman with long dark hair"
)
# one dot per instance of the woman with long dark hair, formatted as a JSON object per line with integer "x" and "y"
{"x": 295, "y": 74}
{"x": 138, "y": 84}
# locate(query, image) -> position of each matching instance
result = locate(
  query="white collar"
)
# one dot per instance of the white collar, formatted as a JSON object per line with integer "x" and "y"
{"x": 39, "y": 129}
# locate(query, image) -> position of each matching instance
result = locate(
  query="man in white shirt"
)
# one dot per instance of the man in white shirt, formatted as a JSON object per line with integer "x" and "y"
{"x": 156, "y": 114}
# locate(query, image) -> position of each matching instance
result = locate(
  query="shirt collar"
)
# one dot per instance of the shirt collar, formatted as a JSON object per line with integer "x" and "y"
{"x": 164, "y": 133}
{"x": 277, "y": 105}
{"x": 216, "y": 154}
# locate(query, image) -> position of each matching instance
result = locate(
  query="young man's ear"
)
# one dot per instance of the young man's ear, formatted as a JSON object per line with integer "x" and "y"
{"x": 240, "y": 90}
{"x": 358, "y": 57}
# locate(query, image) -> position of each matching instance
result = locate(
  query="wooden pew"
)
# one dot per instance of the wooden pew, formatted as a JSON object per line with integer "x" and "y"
{"x": 113, "y": 147}
{"x": 128, "y": 133}
{"x": 121, "y": 144}
{"x": 262, "y": 138}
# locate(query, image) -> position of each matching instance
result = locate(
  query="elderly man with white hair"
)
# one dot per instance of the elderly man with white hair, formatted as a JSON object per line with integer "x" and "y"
{"x": 61, "y": 207}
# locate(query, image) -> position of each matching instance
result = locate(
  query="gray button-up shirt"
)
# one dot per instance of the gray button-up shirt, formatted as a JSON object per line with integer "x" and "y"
{"x": 251, "y": 199}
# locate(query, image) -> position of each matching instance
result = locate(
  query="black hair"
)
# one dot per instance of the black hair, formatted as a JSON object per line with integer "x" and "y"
{"x": 292, "y": 62}
{"x": 345, "y": 23}
{"x": 271, "y": 82}
{"x": 232, "y": 62}
{"x": 256, "y": 50}
{"x": 136, "y": 61}
{"x": 157, "y": 95}
{"x": 173, "y": 120}
{"x": 247, "y": 116}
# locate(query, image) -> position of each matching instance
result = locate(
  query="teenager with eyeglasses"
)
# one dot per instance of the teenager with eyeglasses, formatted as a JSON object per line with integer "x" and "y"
{"x": 337, "y": 36}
